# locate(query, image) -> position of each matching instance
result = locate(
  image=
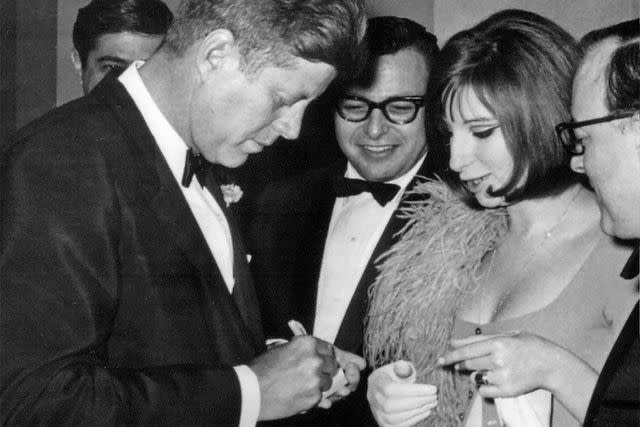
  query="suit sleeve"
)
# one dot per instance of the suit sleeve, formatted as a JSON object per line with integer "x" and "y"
{"x": 59, "y": 289}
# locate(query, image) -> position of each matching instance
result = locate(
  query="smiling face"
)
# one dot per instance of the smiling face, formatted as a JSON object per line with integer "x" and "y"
{"x": 378, "y": 149}
{"x": 114, "y": 51}
{"x": 479, "y": 153}
{"x": 229, "y": 121}
{"x": 611, "y": 157}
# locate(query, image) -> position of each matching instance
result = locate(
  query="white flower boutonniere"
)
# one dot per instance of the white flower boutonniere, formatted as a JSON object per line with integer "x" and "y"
{"x": 231, "y": 193}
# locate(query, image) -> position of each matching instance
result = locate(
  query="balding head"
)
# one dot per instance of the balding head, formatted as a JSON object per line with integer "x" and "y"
{"x": 607, "y": 87}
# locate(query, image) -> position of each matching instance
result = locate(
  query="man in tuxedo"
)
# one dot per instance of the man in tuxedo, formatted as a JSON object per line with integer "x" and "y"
{"x": 111, "y": 34}
{"x": 605, "y": 140}
{"x": 317, "y": 236}
{"x": 126, "y": 297}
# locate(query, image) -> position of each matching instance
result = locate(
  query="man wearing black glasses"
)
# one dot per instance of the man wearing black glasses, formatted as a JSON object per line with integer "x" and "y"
{"x": 317, "y": 235}
{"x": 605, "y": 141}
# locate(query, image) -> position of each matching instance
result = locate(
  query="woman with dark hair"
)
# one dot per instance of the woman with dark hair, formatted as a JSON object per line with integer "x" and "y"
{"x": 506, "y": 264}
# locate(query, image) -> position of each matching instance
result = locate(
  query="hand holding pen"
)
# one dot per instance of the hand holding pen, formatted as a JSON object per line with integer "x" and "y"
{"x": 292, "y": 376}
{"x": 348, "y": 375}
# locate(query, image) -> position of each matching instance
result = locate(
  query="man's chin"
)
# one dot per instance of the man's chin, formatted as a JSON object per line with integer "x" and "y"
{"x": 621, "y": 227}
{"x": 250, "y": 146}
{"x": 234, "y": 161}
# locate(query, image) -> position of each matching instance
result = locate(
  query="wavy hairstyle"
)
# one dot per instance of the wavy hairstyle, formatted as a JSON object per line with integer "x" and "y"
{"x": 520, "y": 65}
{"x": 271, "y": 32}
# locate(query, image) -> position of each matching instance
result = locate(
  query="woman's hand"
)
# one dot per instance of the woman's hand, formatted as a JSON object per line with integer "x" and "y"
{"x": 512, "y": 364}
{"x": 395, "y": 399}
{"x": 506, "y": 365}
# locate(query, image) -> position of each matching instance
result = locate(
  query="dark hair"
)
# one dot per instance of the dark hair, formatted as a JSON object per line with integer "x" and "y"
{"x": 387, "y": 35}
{"x": 272, "y": 31}
{"x": 520, "y": 66}
{"x": 114, "y": 16}
{"x": 623, "y": 70}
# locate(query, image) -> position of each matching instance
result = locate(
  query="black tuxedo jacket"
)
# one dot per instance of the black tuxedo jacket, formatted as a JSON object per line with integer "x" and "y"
{"x": 616, "y": 397}
{"x": 113, "y": 309}
{"x": 287, "y": 244}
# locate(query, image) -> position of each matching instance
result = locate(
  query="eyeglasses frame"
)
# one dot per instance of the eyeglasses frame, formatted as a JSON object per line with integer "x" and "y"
{"x": 574, "y": 146}
{"x": 418, "y": 101}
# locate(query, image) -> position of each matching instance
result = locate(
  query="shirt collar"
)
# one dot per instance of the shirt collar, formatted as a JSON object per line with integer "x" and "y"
{"x": 171, "y": 145}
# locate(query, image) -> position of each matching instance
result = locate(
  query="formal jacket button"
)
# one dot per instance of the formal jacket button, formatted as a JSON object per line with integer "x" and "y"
{"x": 461, "y": 416}
{"x": 478, "y": 331}
{"x": 471, "y": 394}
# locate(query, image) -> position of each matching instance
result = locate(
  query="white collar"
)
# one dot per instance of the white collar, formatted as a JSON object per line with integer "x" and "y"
{"x": 171, "y": 144}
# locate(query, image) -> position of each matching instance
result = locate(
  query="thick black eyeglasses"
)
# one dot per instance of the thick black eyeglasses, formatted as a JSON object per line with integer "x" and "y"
{"x": 398, "y": 109}
{"x": 567, "y": 135}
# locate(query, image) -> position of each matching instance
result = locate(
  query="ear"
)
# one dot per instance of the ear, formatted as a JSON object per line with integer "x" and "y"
{"x": 217, "y": 51}
{"x": 632, "y": 125}
{"x": 77, "y": 64}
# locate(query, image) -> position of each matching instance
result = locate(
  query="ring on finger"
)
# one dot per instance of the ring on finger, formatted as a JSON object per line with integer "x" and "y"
{"x": 480, "y": 377}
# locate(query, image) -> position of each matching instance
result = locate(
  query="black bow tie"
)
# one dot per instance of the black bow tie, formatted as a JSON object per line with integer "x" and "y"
{"x": 381, "y": 192}
{"x": 197, "y": 165}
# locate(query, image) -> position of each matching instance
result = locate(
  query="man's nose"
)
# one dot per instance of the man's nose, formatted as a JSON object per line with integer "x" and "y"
{"x": 376, "y": 124}
{"x": 289, "y": 123}
{"x": 461, "y": 151}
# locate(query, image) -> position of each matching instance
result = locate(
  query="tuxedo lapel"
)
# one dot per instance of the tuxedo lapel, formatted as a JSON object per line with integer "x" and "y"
{"x": 155, "y": 186}
{"x": 351, "y": 332}
{"x": 310, "y": 263}
{"x": 244, "y": 294}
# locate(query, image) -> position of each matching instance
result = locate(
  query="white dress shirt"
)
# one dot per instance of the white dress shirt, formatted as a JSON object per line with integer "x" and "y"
{"x": 205, "y": 209}
{"x": 357, "y": 222}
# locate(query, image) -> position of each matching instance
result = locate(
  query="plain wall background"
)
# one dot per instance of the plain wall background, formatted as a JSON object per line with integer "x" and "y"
{"x": 28, "y": 52}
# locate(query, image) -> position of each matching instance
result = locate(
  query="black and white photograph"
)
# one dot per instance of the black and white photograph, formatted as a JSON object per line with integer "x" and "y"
{"x": 310, "y": 213}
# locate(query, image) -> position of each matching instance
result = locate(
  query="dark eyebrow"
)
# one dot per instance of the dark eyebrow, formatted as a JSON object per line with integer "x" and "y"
{"x": 115, "y": 59}
{"x": 480, "y": 120}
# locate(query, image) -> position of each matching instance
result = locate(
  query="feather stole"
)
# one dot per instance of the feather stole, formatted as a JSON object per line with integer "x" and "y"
{"x": 422, "y": 281}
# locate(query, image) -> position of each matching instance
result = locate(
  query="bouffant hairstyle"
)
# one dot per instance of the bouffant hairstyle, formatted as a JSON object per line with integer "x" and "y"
{"x": 520, "y": 65}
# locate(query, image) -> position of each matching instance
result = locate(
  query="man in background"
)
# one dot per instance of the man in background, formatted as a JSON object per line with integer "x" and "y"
{"x": 111, "y": 34}
{"x": 317, "y": 235}
{"x": 605, "y": 138}
{"x": 124, "y": 285}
